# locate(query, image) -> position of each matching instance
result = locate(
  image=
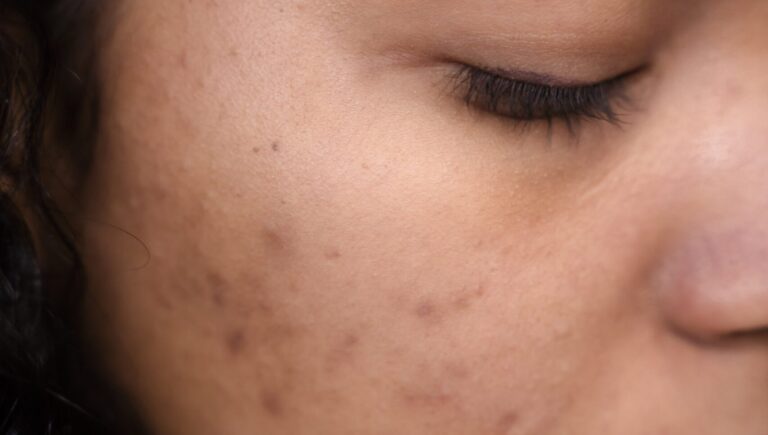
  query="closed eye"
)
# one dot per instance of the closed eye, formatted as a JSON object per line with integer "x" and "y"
{"x": 526, "y": 101}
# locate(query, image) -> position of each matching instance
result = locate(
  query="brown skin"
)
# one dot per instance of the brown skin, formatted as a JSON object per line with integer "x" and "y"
{"x": 337, "y": 245}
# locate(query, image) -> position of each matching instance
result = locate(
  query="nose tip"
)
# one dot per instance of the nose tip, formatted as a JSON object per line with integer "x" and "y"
{"x": 715, "y": 284}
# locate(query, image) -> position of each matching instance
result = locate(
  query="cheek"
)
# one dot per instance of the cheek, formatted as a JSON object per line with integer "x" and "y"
{"x": 350, "y": 260}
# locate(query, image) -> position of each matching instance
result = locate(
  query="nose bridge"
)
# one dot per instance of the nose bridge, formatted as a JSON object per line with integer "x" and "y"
{"x": 722, "y": 100}
{"x": 720, "y": 84}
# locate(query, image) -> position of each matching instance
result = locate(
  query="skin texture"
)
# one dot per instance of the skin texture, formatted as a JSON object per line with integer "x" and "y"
{"x": 296, "y": 227}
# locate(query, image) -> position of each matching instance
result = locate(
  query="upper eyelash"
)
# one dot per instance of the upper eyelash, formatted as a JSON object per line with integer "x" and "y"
{"x": 526, "y": 101}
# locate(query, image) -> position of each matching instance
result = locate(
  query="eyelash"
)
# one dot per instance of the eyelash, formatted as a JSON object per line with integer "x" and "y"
{"x": 526, "y": 102}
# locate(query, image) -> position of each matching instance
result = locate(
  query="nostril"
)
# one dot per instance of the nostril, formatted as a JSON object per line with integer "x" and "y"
{"x": 715, "y": 285}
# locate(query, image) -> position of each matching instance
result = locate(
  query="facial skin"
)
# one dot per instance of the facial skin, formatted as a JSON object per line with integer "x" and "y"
{"x": 332, "y": 242}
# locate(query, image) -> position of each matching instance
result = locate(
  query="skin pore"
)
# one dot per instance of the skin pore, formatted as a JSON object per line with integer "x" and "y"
{"x": 332, "y": 242}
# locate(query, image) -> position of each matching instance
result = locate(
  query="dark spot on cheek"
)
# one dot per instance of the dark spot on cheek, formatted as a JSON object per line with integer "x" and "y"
{"x": 272, "y": 403}
{"x": 350, "y": 340}
{"x": 426, "y": 399}
{"x": 181, "y": 60}
{"x": 235, "y": 342}
{"x": 256, "y": 150}
{"x": 343, "y": 353}
{"x": 264, "y": 308}
{"x": 457, "y": 371}
{"x": 507, "y": 422}
{"x": 218, "y": 288}
{"x": 275, "y": 146}
{"x": 426, "y": 311}
{"x": 468, "y": 296}
{"x": 273, "y": 240}
{"x": 333, "y": 254}
{"x": 164, "y": 300}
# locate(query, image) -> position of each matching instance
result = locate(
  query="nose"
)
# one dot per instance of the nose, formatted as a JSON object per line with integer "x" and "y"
{"x": 714, "y": 281}
{"x": 712, "y": 277}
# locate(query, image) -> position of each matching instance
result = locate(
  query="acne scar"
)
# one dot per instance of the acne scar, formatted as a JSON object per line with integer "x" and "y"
{"x": 457, "y": 371}
{"x": 426, "y": 399}
{"x": 264, "y": 308}
{"x": 333, "y": 254}
{"x": 467, "y": 296}
{"x": 235, "y": 342}
{"x": 426, "y": 311}
{"x": 275, "y": 146}
{"x": 272, "y": 403}
{"x": 163, "y": 300}
{"x": 181, "y": 60}
{"x": 273, "y": 240}
{"x": 218, "y": 288}
{"x": 343, "y": 352}
{"x": 506, "y": 422}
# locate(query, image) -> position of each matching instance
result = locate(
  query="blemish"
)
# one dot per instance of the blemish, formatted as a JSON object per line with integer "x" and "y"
{"x": 272, "y": 403}
{"x": 181, "y": 60}
{"x": 506, "y": 422}
{"x": 164, "y": 301}
{"x": 256, "y": 150}
{"x": 264, "y": 308}
{"x": 350, "y": 340}
{"x": 273, "y": 240}
{"x": 462, "y": 302}
{"x": 218, "y": 288}
{"x": 467, "y": 296}
{"x": 457, "y": 371}
{"x": 275, "y": 146}
{"x": 333, "y": 254}
{"x": 343, "y": 352}
{"x": 426, "y": 310}
{"x": 365, "y": 166}
{"x": 236, "y": 342}
{"x": 426, "y": 399}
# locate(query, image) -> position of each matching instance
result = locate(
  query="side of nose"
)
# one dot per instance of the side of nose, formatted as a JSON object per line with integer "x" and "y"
{"x": 711, "y": 279}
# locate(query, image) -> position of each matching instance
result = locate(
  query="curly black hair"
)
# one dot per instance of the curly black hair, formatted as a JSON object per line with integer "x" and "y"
{"x": 48, "y": 115}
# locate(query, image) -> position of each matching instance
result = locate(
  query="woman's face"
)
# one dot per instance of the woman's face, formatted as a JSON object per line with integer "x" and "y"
{"x": 296, "y": 224}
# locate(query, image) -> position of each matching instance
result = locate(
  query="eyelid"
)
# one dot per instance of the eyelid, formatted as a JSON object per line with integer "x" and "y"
{"x": 527, "y": 97}
{"x": 534, "y": 77}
